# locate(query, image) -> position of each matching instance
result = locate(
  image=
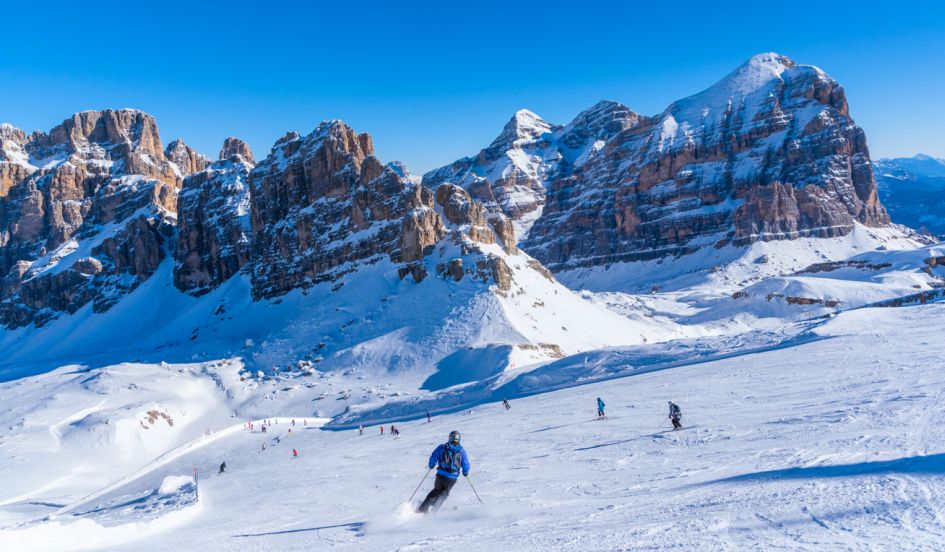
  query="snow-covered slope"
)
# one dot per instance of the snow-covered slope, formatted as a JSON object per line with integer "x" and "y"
{"x": 831, "y": 444}
{"x": 375, "y": 323}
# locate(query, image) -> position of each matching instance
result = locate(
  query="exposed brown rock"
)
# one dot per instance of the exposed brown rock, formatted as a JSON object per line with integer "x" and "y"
{"x": 101, "y": 171}
{"x": 14, "y": 159}
{"x": 323, "y": 204}
{"x": 186, "y": 159}
{"x": 495, "y": 269}
{"x": 234, "y": 147}
{"x": 768, "y": 153}
{"x": 416, "y": 270}
{"x": 89, "y": 266}
{"x": 540, "y": 268}
{"x": 460, "y": 210}
{"x": 213, "y": 240}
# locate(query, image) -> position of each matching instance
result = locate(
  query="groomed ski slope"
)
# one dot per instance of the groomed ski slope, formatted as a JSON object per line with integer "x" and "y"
{"x": 835, "y": 444}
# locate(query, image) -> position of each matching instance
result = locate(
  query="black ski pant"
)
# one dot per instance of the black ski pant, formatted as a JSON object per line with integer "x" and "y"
{"x": 676, "y": 424}
{"x": 441, "y": 490}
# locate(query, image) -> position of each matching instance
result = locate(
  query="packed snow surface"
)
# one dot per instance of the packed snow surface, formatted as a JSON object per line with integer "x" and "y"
{"x": 832, "y": 442}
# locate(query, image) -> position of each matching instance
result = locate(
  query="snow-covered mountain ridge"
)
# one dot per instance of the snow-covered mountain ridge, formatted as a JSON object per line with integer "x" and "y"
{"x": 770, "y": 152}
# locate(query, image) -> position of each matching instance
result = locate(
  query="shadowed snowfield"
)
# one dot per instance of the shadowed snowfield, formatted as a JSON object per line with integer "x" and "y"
{"x": 831, "y": 444}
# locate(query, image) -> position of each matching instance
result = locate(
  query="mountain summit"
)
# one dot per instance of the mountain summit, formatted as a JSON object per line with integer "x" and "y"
{"x": 769, "y": 152}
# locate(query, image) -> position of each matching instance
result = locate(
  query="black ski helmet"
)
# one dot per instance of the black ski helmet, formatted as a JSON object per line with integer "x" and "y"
{"x": 454, "y": 437}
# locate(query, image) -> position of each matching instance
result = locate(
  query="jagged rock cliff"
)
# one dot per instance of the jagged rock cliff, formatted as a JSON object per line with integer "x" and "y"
{"x": 185, "y": 159}
{"x": 323, "y": 206}
{"x": 769, "y": 152}
{"x": 213, "y": 240}
{"x": 84, "y": 215}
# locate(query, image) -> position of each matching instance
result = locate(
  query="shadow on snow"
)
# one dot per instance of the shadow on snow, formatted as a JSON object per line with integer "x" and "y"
{"x": 932, "y": 464}
{"x": 354, "y": 526}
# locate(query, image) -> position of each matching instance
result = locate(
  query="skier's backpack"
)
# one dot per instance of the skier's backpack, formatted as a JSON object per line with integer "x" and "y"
{"x": 451, "y": 461}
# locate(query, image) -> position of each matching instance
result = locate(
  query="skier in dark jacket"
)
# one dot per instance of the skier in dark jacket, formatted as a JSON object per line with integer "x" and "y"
{"x": 223, "y": 467}
{"x": 450, "y": 459}
{"x": 600, "y": 407}
{"x": 675, "y": 415}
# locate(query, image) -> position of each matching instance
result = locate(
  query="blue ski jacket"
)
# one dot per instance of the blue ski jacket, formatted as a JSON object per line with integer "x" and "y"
{"x": 600, "y": 404}
{"x": 449, "y": 460}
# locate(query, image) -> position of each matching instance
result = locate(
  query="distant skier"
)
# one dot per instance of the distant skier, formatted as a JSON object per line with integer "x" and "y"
{"x": 382, "y": 430}
{"x": 360, "y": 429}
{"x": 394, "y": 431}
{"x": 450, "y": 459}
{"x": 222, "y": 468}
{"x": 675, "y": 415}
{"x": 429, "y": 419}
{"x": 293, "y": 422}
{"x": 600, "y": 407}
{"x": 263, "y": 429}
{"x": 295, "y": 453}
{"x": 505, "y": 403}
{"x": 263, "y": 447}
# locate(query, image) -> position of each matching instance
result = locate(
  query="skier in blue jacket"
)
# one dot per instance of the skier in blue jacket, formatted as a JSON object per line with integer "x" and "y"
{"x": 600, "y": 407}
{"x": 449, "y": 459}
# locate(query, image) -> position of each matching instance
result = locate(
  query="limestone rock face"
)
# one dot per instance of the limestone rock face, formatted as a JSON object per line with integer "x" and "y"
{"x": 460, "y": 209}
{"x": 92, "y": 209}
{"x": 510, "y": 176}
{"x": 233, "y": 147}
{"x": 184, "y": 158}
{"x": 213, "y": 239}
{"x": 14, "y": 159}
{"x": 99, "y": 177}
{"x": 769, "y": 152}
{"x": 322, "y": 204}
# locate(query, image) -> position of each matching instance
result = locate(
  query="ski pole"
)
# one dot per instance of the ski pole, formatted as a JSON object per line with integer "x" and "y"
{"x": 420, "y": 485}
{"x": 473, "y": 488}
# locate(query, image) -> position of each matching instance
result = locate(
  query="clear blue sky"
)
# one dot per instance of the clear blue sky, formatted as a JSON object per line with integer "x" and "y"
{"x": 436, "y": 81}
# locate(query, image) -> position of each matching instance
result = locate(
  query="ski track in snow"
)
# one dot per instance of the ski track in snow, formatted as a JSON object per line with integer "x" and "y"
{"x": 834, "y": 444}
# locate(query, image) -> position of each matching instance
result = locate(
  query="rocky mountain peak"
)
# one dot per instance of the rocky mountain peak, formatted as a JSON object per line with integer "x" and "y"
{"x": 236, "y": 149}
{"x": 602, "y": 121}
{"x": 214, "y": 232}
{"x": 755, "y": 73}
{"x": 768, "y": 152}
{"x": 133, "y": 129}
{"x": 99, "y": 178}
{"x": 187, "y": 160}
{"x": 14, "y": 159}
{"x": 11, "y": 134}
{"x": 524, "y": 126}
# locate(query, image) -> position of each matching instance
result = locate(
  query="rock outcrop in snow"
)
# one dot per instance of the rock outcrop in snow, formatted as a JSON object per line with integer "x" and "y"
{"x": 769, "y": 152}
